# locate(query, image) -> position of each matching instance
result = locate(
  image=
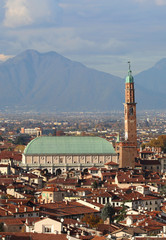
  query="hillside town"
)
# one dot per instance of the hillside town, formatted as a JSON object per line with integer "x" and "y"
{"x": 84, "y": 176}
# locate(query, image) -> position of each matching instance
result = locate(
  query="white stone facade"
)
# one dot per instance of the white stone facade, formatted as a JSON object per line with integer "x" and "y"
{"x": 65, "y": 162}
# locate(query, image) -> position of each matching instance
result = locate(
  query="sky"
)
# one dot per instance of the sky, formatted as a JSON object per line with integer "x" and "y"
{"x": 102, "y": 34}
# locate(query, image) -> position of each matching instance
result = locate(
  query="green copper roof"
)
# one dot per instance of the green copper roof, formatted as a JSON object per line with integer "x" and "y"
{"x": 129, "y": 78}
{"x": 69, "y": 145}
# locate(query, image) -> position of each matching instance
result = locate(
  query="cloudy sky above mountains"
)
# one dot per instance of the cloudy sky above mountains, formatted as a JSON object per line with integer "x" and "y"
{"x": 102, "y": 34}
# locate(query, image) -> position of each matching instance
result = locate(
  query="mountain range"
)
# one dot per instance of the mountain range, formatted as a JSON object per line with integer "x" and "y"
{"x": 33, "y": 81}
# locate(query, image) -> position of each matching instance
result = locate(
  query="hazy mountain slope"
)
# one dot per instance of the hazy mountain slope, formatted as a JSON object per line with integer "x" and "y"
{"x": 50, "y": 81}
{"x": 151, "y": 86}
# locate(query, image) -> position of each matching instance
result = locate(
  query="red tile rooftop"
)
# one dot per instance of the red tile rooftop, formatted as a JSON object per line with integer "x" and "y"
{"x": 93, "y": 169}
{"x": 10, "y": 154}
{"x": 146, "y": 151}
{"x": 12, "y": 221}
{"x": 50, "y": 189}
{"x": 34, "y": 236}
{"x": 99, "y": 238}
{"x": 66, "y": 209}
{"x": 112, "y": 164}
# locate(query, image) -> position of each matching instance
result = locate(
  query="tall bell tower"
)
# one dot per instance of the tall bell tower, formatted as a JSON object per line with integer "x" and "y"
{"x": 130, "y": 109}
{"x": 127, "y": 150}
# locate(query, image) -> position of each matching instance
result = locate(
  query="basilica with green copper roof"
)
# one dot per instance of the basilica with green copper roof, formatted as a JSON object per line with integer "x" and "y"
{"x": 68, "y": 152}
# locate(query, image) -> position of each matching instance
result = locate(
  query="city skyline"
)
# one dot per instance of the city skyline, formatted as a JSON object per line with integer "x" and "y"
{"x": 103, "y": 35}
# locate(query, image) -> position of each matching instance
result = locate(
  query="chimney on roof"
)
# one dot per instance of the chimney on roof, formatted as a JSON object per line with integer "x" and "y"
{"x": 164, "y": 229}
{"x": 34, "y": 208}
{"x": 77, "y": 235}
{"x": 16, "y": 209}
{"x": 25, "y": 209}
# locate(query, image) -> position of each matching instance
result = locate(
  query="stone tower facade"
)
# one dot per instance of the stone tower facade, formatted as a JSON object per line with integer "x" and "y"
{"x": 127, "y": 150}
{"x": 130, "y": 110}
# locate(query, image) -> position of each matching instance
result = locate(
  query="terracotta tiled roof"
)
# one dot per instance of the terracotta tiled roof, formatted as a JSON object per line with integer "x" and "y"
{"x": 61, "y": 209}
{"x": 150, "y": 162}
{"x": 99, "y": 238}
{"x": 107, "y": 228}
{"x": 12, "y": 221}
{"x": 93, "y": 169}
{"x": 34, "y": 236}
{"x": 112, "y": 164}
{"x": 10, "y": 154}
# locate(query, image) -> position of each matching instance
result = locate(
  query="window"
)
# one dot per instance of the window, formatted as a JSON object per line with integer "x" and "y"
{"x": 47, "y": 229}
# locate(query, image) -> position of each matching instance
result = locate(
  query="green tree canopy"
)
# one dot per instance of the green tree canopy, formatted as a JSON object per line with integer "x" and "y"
{"x": 108, "y": 212}
{"x": 23, "y": 139}
{"x": 159, "y": 142}
{"x": 95, "y": 185}
{"x": 92, "y": 220}
{"x": 1, "y": 227}
{"x": 122, "y": 213}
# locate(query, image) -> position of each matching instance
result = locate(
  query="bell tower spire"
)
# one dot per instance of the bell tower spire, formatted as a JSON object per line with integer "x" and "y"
{"x": 127, "y": 150}
{"x": 130, "y": 109}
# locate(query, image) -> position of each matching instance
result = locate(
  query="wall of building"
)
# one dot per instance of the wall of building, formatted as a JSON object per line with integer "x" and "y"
{"x": 63, "y": 162}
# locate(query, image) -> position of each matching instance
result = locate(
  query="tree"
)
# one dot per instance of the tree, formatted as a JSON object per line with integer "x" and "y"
{"x": 95, "y": 185}
{"x": 1, "y": 227}
{"x": 92, "y": 220}
{"x": 22, "y": 139}
{"x": 108, "y": 212}
{"x": 4, "y": 197}
{"x": 159, "y": 142}
{"x": 163, "y": 190}
{"x": 122, "y": 213}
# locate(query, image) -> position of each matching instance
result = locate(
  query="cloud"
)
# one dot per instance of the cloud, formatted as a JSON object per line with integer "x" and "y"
{"x": 62, "y": 40}
{"x": 160, "y": 2}
{"x": 4, "y": 57}
{"x": 19, "y": 13}
{"x": 156, "y": 2}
